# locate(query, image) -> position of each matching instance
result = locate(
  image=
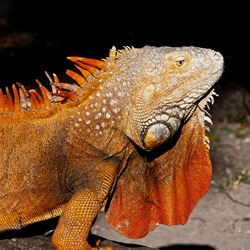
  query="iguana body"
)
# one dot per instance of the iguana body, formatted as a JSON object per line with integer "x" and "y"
{"x": 131, "y": 133}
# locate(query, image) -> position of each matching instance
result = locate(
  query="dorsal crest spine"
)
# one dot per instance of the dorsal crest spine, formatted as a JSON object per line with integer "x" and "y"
{"x": 22, "y": 99}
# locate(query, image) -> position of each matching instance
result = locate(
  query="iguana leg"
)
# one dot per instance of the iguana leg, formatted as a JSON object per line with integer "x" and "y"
{"x": 77, "y": 218}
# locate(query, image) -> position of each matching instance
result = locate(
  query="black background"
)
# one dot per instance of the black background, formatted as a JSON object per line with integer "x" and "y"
{"x": 83, "y": 28}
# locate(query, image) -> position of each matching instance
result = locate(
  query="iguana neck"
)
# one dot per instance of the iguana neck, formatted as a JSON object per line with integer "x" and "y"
{"x": 97, "y": 118}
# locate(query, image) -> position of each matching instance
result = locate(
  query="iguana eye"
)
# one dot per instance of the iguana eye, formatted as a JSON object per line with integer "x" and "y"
{"x": 180, "y": 61}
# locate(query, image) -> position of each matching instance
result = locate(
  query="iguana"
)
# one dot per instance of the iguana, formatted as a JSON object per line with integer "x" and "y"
{"x": 127, "y": 133}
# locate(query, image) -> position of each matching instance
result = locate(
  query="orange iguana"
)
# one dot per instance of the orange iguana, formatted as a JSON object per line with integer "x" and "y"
{"x": 128, "y": 133}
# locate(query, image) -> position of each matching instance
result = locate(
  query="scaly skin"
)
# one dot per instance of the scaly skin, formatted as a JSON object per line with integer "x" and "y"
{"x": 130, "y": 134}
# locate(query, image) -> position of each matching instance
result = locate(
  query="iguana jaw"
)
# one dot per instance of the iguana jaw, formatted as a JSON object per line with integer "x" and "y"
{"x": 161, "y": 128}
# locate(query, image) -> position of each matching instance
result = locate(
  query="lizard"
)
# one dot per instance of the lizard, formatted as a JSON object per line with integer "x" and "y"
{"x": 127, "y": 132}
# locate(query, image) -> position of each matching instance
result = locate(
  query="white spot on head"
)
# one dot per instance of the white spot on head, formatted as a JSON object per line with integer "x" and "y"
{"x": 98, "y": 115}
{"x": 109, "y": 94}
{"x": 87, "y": 122}
{"x": 80, "y": 119}
{"x": 112, "y": 102}
{"x": 97, "y": 127}
{"x": 76, "y": 124}
{"x": 108, "y": 115}
{"x": 120, "y": 94}
{"x": 87, "y": 113}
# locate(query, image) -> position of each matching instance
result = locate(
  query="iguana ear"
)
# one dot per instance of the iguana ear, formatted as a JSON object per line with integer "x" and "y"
{"x": 165, "y": 188}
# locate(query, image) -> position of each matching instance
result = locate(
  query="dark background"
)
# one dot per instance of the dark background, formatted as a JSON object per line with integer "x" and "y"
{"x": 38, "y": 35}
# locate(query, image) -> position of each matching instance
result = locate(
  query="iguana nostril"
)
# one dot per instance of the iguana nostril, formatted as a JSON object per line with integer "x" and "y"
{"x": 156, "y": 135}
{"x": 217, "y": 56}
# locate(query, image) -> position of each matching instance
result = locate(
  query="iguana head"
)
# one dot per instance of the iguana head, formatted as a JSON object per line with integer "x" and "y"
{"x": 168, "y": 85}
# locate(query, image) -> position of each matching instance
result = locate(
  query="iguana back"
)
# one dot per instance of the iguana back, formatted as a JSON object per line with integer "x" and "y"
{"x": 129, "y": 133}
